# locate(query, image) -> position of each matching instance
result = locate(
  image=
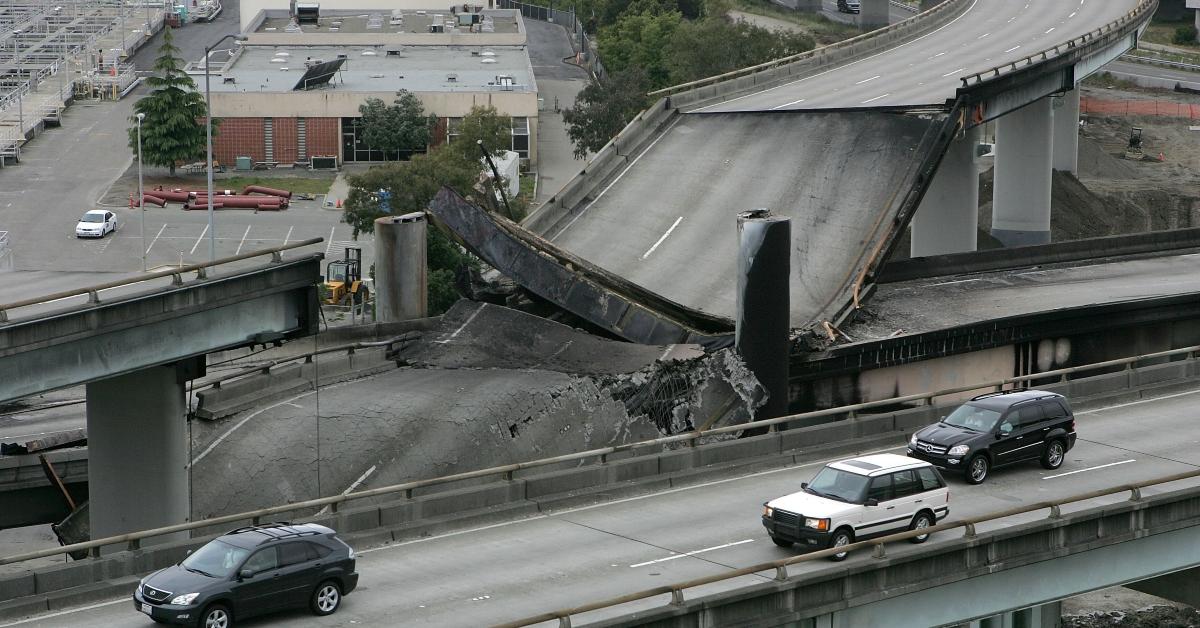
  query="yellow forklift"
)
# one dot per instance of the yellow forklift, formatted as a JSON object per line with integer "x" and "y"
{"x": 343, "y": 279}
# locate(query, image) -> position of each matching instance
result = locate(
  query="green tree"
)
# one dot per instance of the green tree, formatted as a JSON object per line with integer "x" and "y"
{"x": 640, "y": 40}
{"x": 604, "y": 107}
{"x": 711, "y": 46}
{"x": 401, "y": 126}
{"x": 486, "y": 124}
{"x": 171, "y": 131}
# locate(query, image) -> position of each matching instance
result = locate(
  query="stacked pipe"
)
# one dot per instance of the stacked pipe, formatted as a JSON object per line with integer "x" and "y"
{"x": 154, "y": 200}
{"x": 250, "y": 189}
{"x": 237, "y": 201}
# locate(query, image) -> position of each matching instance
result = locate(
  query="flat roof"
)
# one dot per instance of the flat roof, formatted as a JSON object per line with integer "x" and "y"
{"x": 412, "y": 21}
{"x": 436, "y": 68}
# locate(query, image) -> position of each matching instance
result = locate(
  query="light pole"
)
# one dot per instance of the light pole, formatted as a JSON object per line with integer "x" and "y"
{"x": 208, "y": 165}
{"x": 141, "y": 190}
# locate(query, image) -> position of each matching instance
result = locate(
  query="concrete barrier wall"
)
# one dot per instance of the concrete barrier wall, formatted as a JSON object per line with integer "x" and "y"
{"x": 533, "y": 491}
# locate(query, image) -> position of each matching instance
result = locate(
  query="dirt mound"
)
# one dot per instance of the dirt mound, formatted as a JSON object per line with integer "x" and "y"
{"x": 1096, "y": 162}
{"x": 1076, "y": 212}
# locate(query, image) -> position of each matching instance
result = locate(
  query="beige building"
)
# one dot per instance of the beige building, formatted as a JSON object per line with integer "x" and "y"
{"x": 291, "y": 92}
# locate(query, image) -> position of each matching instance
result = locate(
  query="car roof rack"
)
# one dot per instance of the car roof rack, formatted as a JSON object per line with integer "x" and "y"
{"x": 276, "y": 530}
{"x": 998, "y": 393}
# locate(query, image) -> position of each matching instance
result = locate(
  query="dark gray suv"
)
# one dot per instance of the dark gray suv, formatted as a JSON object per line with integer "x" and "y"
{"x": 998, "y": 429}
{"x": 251, "y": 571}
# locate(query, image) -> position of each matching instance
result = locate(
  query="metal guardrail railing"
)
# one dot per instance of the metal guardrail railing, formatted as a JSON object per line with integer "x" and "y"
{"x": 1178, "y": 65}
{"x": 815, "y": 52}
{"x": 175, "y": 273}
{"x": 133, "y": 539}
{"x": 1144, "y": 8}
{"x": 780, "y": 566}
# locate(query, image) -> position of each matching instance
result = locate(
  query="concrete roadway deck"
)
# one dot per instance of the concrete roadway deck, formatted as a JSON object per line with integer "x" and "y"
{"x": 927, "y": 70}
{"x": 486, "y": 576}
{"x": 839, "y": 176}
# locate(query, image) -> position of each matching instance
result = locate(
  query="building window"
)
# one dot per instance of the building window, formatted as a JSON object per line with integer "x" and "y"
{"x": 520, "y": 134}
{"x": 355, "y": 149}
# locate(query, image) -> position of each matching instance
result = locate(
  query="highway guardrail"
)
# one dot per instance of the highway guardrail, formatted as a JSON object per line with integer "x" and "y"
{"x": 132, "y": 540}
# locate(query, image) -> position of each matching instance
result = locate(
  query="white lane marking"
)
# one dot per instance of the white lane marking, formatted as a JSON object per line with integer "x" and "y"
{"x": 243, "y": 242}
{"x": 937, "y": 55}
{"x": 665, "y": 352}
{"x": 618, "y": 178}
{"x": 949, "y": 283}
{"x": 983, "y": 35}
{"x": 664, "y": 237}
{"x": 1111, "y": 464}
{"x": 870, "y": 100}
{"x": 1013, "y": 48}
{"x": 288, "y": 236}
{"x": 353, "y": 485}
{"x": 1051, "y": 30}
{"x": 626, "y": 500}
{"x": 686, "y": 554}
{"x": 930, "y": 34}
{"x": 1140, "y": 401}
{"x": 1072, "y": 14}
{"x": 122, "y": 600}
{"x": 953, "y": 72}
{"x": 160, "y": 230}
{"x": 461, "y": 327}
{"x": 199, "y": 240}
{"x": 867, "y": 80}
{"x": 329, "y": 247}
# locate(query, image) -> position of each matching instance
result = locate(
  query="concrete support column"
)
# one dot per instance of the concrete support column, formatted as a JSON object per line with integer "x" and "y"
{"x": 1021, "y": 196}
{"x": 948, "y": 219}
{"x": 137, "y": 452}
{"x": 1177, "y": 587}
{"x": 401, "y": 283}
{"x": 874, "y": 14}
{"x": 1066, "y": 132}
{"x": 763, "y": 303}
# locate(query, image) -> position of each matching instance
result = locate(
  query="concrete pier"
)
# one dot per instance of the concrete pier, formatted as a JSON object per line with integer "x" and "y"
{"x": 1021, "y": 194}
{"x": 763, "y": 303}
{"x": 1066, "y": 132}
{"x": 138, "y": 452}
{"x": 401, "y": 283}
{"x": 948, "y": 219}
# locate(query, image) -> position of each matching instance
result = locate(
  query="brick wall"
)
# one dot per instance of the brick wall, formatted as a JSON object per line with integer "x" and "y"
{"x": 237, "y": 137}
{"x": 324, "y": 137}
{"x": 285, "y": 140}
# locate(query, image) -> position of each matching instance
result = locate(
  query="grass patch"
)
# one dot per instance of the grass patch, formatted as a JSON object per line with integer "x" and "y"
{"x": 1193, "y": 59}
{"x": 822, "y": 29}
{"x": 1106, "y": 81}
{"x": 1164, "y": 33}
{"x": 297, "y": 185}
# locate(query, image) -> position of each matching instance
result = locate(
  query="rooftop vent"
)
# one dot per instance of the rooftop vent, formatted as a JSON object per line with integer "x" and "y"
{"x": 488, "y": 53}
{"x": 487, "y": 60}
{"x": 451, "y": 78}
{"x": 279, "y": 60}
{"x": 366, "y": 53}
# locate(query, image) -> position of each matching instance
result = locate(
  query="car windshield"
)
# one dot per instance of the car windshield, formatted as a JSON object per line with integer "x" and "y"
{"x": 839, "y": 485}
{"x": 217, "y": 559}
{"x": 92, "y": 217}
{"x": 973, "y": 418}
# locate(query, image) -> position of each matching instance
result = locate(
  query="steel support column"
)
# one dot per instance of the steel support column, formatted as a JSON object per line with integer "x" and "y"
{"x": 948, "y": 219}
{"x": 137, "y": 452}
{"x": 1066, "y": 132}
{"x": 1021, "y": 193}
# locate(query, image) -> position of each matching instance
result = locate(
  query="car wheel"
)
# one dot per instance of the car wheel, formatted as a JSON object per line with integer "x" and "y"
{"x": 920, "y": 522}
{"x": 840, "y": 538}
{"x": 780, "y": 542}
{"x": 216, "y": 616}
{"x": 326, "y": 598}
{"x": 1055, "y": 454}
{"x": 977, "y": 469}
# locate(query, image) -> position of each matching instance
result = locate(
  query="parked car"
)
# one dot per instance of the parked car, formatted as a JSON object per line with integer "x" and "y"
{"x": 251, "y": 571}
{"x": 856, "y": 499}
{"x": 999, "y": 429}
{"x": 96, "y": 224}
{"x": 849, "y": 6}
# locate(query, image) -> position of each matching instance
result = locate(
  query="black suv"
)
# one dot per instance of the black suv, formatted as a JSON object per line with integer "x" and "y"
{"x": 999, "y": 429}
{"x": 250, "y": 571}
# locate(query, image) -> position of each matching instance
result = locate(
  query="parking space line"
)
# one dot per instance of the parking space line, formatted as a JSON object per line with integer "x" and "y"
{"x": 199, "y": 240}
{"x": 160, "y": 230}
{"x": 329, "y": 247}
{"x": 243, "y": 242}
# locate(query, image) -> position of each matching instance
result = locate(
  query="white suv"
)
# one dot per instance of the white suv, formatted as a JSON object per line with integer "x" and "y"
{"x": 855, "y": 499}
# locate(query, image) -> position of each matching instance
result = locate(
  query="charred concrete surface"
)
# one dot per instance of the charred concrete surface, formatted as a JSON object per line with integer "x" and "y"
{"x": 490, "y": 386}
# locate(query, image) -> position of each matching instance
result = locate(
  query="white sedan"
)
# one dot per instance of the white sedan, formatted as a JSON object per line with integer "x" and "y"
{"x": 96, "y": 224}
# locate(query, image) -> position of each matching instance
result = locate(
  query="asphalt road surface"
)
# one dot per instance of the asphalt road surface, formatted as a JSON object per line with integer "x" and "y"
{"x": 508, "y": 571}
{"x": 927, "y": 70}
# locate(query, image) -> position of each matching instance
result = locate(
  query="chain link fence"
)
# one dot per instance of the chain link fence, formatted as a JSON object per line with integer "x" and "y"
{"x": 586, "y": 55}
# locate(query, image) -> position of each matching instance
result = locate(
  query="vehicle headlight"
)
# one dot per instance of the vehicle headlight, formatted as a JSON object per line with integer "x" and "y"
{"x": 912, "y": 442}
{"x": 959, "y": 450}
{"x": 768, "y": 511}
{"x": 182, "y": 600}
{"x": 817, "y": 524}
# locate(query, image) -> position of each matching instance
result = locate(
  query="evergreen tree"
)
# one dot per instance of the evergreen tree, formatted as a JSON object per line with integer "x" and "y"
{"x": 172, "y": 130}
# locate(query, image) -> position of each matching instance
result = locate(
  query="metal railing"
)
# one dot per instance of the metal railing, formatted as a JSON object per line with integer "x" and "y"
{"x": 1115, "y": 27}
{"x": 1144, "y": 60}
{"x": 176, "y": 275}
{"x": 815, "y": 52}
{"x": 780, "y": 566}
{"x": 133, "y": 539}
